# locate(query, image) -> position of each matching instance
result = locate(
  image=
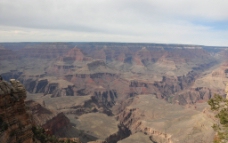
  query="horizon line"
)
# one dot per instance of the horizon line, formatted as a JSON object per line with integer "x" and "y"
{"x": 49, "y": 42}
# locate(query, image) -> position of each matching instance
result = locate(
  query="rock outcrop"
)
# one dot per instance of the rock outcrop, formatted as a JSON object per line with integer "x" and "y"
{"x": 163, "y": 122}
{"x": 50, "y": 120}
{"x": 17, "y": 117}
{"x": 15, "y": 122}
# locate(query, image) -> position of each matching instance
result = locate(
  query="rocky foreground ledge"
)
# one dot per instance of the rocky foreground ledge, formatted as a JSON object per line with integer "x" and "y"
{"x": 18, "y": 118}
{"x": 15, "y": 123}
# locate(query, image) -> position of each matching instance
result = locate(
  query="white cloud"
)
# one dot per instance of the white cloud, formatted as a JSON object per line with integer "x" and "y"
{"x": 170, "y": 21}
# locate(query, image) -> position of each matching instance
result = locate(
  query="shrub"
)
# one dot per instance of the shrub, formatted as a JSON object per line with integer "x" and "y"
{"x": 220, "y": 106}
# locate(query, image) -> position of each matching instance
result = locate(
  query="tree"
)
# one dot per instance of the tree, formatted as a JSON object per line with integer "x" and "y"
{"x": 220, "y": 106}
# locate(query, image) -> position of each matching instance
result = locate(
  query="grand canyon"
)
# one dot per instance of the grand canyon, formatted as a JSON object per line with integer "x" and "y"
{"x": 111, "y": 92}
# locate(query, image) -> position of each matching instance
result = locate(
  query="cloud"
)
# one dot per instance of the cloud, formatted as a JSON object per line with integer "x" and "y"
{"x": 170, "y": 21}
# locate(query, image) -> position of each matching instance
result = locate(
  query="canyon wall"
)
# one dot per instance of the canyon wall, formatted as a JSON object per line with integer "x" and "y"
{"x": 51, "y": 121}
{"x": 17, "y": 117}
{"x": 16, "y": 124}
{"x": 113, "y": 78}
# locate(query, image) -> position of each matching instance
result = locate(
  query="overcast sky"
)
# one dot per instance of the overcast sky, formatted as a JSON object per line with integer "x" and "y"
{"x": 202, "y": 22}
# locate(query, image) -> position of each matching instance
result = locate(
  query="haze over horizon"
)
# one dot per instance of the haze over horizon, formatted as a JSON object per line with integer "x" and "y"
{"x": 144, "y": 21}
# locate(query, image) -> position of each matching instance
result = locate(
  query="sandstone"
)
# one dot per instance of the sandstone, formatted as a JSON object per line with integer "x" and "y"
{"x": 18, "y": 124}
{"x": 75, "y": 54}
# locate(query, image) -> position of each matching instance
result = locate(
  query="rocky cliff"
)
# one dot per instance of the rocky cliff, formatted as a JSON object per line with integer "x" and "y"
{"x": 18, "y": 118}
{"x": 50, "y": 120}
{"x": 15, "y": 122}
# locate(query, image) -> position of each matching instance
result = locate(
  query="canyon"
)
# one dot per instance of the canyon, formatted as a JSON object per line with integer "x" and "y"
{"x": 119, "y": 92}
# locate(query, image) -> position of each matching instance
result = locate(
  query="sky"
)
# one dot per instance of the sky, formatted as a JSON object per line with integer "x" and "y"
{"x": 201, "y": 22}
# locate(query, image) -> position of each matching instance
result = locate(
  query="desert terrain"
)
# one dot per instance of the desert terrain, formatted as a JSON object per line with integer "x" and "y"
{"x": 120, "y": 92}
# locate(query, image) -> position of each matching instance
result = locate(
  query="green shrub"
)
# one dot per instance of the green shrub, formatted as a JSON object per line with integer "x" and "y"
{"x": 220, "y": 106}
{"x": 39, "y": 133}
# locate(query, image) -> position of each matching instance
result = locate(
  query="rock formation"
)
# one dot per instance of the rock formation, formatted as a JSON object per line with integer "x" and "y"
{"x": 91, "y": 78}
{"x": 17, "y": 117}
{"x": 16, "y": 124}
{"x": 49, "y": 120}
{"x": 163, "y": 122}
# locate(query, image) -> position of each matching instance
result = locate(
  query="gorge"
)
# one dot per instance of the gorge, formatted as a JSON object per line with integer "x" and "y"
{"x": 118, "y": 92}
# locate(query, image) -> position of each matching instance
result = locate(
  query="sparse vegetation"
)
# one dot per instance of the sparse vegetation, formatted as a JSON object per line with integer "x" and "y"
{"x": 40, "y": 134}
{"x": 43, "y": 137}
{"x": 220, "y": 106}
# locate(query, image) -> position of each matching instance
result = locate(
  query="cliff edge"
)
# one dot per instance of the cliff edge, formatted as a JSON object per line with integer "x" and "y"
{"x": 15, "y": 123}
